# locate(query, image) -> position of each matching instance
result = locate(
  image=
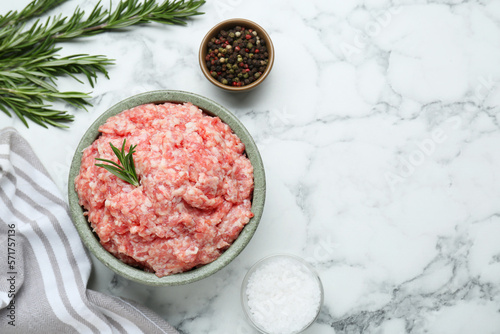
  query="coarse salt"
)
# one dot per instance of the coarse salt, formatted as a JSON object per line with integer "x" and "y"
{"x": 283, "y": 295}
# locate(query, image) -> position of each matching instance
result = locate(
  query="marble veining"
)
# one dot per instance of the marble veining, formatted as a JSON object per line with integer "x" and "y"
{"x": 379, "y": 131}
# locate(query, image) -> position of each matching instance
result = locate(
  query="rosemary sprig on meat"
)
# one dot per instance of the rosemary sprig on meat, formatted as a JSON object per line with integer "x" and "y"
{"x": 30, "y": 65}
{"x": 125, "y": 170}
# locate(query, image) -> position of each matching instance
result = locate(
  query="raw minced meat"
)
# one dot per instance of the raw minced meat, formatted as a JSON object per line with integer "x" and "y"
{"x": 195, "y": 188}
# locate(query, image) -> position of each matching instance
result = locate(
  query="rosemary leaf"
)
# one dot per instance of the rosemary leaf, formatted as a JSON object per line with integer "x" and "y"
{"x": 125, "y": 170}
{"x": 34, "y": 9}
{"x": 30, "y": 65}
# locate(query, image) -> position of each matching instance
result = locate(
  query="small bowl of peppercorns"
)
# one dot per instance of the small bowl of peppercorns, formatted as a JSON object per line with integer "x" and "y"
{"x": 236, "y": 55}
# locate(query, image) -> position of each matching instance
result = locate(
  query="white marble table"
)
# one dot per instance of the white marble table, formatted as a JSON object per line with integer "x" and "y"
{"x": 379, "y": 130}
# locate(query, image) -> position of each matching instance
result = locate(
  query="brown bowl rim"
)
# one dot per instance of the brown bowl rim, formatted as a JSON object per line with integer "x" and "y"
{"x": 231, "y": 23}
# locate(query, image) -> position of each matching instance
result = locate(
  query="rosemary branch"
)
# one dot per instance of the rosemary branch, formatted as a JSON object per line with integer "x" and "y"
{"x": 125, "y": 170}
{"x": 33, "y": 9}
{"x": 30, "y": 65}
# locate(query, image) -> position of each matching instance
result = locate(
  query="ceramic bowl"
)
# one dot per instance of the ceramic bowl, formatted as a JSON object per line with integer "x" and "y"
{"x": 229, "y": 24}
{"x": 279, "y": 280}
{"x": 91, "y": 241}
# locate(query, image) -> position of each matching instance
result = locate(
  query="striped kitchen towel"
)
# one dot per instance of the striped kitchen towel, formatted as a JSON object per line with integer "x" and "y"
{"x": 44, "y": 267}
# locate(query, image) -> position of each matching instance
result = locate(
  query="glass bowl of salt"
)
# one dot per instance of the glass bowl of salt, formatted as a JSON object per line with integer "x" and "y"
{"x": 281, "y": 294}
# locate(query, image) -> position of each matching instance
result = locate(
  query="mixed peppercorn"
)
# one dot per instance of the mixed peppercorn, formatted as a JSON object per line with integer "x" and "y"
{"x": 237, "y": 57}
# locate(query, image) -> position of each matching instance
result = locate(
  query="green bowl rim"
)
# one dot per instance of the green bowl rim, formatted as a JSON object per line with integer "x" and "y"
{"x": 209, "y": 107}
